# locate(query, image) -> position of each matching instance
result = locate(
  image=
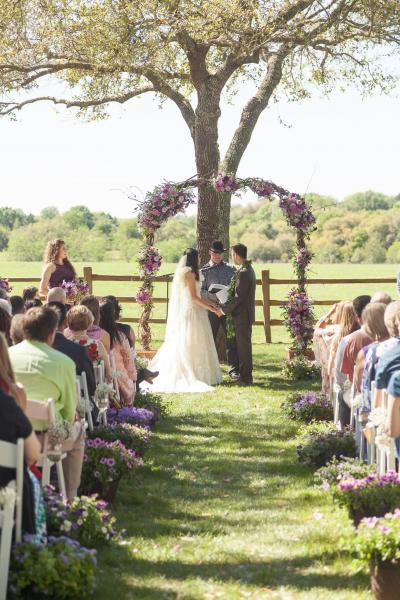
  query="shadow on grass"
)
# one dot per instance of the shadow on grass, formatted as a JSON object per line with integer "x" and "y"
{"x": 294, "y": 573}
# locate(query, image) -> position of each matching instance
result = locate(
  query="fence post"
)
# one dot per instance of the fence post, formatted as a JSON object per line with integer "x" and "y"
{"x": 266, "y": 305}
{"x": 87, "y": 276}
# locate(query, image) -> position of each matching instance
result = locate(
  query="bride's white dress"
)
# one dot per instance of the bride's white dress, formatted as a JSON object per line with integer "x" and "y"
{"x": 187, "y": 361}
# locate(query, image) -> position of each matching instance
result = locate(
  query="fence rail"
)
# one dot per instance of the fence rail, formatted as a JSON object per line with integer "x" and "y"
{"x": 266, "y": 283}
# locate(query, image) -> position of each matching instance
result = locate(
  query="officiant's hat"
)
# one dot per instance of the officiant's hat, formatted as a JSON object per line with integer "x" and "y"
{"x": 217, "y": 246}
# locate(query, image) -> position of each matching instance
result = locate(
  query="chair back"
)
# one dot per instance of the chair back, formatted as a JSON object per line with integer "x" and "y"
{"x": 12, "y": 457}
{"x": 99, "y": 372}
{"x": 114, "y": 375}
{"x": 83, "y": 393}
{"x": 41, "y": 411}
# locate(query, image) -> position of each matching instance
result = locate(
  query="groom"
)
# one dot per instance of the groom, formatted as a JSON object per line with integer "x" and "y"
{"x": 240, "y": 307}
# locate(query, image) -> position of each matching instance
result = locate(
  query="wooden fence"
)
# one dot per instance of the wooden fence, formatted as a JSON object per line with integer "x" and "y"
{"x": 266, "y": 282}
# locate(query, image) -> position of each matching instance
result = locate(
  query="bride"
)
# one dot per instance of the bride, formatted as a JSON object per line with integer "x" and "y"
{"x": 187, "y": 361}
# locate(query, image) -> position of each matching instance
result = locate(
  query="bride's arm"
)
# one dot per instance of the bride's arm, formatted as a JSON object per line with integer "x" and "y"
{"x": 190, "y": 280}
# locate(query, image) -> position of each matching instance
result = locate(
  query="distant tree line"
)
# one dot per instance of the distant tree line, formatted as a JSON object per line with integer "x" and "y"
{"x": 364, "y": 227}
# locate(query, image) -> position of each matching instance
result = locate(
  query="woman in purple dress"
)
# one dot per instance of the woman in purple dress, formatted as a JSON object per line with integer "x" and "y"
{"x": 57, "y": 267}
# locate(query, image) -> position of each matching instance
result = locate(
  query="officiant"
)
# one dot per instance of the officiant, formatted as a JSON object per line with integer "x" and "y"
{"x": 216, "y": 277}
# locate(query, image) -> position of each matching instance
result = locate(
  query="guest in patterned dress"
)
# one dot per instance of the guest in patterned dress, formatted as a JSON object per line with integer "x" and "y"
{"x": 57, "y": 267}
{"x": 125, "y": 366}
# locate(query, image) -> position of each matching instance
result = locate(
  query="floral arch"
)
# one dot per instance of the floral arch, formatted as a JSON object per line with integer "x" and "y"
{"x": 169, "y": 199}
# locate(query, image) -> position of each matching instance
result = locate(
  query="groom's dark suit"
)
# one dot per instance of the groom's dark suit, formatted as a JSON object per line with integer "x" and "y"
{"x": 242, "y": 309}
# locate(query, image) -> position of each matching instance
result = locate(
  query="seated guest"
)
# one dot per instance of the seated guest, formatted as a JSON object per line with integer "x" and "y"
{"x": 17, "y": 305}
{"x": 124, "y": 327}
{"x": 7, "y": 378}
{"x": 30, "y": 293}
{"x": 56, "y": 294}
{"x": 356, "y": 340}
{"x": 76, "y": 352}
{"x": 325, "y": 330}
{"x": 364, "y": 372}
{"x": 79, "y": 319}
{"x": 393, "y": 410}
{"x": 16, "y": 329}
{"x": 5, "y": 320}
{"x": 389, "y": 362}
{"x": 94, "y": 331}
{"x": 143, "y": 374}
{"x": 382, "y": 297}
{"x": 33, "y": 303}
{"x": 47, "y": 373}
{"x": 15, "y": 424}
{"x": 124, "y": 364}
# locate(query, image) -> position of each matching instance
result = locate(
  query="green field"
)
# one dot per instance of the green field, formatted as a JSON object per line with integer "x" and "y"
{"x": 277, "y": 270}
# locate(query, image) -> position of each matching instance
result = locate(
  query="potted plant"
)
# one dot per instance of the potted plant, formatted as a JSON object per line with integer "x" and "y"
{"x": 371, "y": 496}
{"x": 377, "y": 542}
{"x": 132, "y": 436}
{"x": 336, "y": 470}
{"x": 61, "y": 570}
{"x": 104, "y": 464}
{"x": 84, "y": 519}
{"x": 156, "y": 403}
{"x": 308, "y": 406}
{"x": 322, "y": 441}
{"x": 300, "y": 368}
{"x": 130, "y": 414}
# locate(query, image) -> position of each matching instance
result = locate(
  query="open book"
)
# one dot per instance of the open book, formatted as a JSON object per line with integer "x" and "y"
{"x": 221, "y": 291}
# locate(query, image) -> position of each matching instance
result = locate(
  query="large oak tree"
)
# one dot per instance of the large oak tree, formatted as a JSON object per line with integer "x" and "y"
{"x": 191, "y": 52}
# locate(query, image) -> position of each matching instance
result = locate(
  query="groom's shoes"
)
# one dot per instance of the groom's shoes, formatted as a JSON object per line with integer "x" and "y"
{"x": 234, "y": 376}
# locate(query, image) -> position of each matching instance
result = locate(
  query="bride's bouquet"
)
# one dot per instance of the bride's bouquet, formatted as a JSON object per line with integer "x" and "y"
{"x": 75, "y": 289}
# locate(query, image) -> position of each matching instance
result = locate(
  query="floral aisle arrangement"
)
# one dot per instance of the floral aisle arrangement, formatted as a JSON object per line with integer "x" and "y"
{"x": 339, "y": 469}
{"x": 4, "y": 285}
{"x": 377, "y": 543}
{"x": 84, "y": 519}
{"x": 130, "y": 414}
{"x": 75, "y": 289}
{"x": 308, "y": 406}
{"x": 62, "y": 569}
{"x": 169, "y": 199}
{"x": 132, "y": 436}
{"x": 300, "y": 368}
{"x": 104, "y": 464}
{"x": 371, "y": 496}
{"x": 155, "y": 403}
{"x": 299, "y": 320}
{"x": 322, "y": 442}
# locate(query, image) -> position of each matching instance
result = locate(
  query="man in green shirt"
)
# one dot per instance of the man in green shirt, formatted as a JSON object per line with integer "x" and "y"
{"x": 46, "y": 373}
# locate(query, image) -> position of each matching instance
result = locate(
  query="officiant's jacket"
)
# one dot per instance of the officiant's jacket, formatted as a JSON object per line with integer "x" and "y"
{"x": 221, "y": 273}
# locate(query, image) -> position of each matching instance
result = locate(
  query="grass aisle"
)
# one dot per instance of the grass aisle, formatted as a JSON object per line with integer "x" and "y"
{"x": 222, "y": 510}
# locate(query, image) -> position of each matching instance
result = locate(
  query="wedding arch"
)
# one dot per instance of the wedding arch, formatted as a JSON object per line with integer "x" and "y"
{"x": 169, "y": 199}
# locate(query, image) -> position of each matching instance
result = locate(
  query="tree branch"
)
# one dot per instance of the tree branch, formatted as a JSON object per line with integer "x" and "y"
{"x": 9, "y": 107}
{"x": 253, "y": 110}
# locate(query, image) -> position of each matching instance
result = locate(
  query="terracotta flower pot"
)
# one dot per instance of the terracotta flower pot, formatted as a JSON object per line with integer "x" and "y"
{"x": 149, "y": 354}
{"x": 385, "y": 580}
{"x": 106, "y": 491}
{"x": 292, "y": 353}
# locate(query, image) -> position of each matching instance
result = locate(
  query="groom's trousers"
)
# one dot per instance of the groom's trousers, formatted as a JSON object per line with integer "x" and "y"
{"x": 216, "y": 323}
{"x": 242, "y": 351}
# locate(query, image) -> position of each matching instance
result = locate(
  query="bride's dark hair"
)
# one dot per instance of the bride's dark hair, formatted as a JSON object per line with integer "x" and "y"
{"x": 192, "y": 261}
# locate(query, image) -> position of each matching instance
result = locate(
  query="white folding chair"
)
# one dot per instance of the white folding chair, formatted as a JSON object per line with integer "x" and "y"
{"x": 11, "y": 457}
{"x": 83, "y": 395}
{"x": 99, "y": 372}
{"x": 45, "y": 412}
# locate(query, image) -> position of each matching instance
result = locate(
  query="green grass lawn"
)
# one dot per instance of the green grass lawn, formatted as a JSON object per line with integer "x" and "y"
{"x": 277, "y": 270}
{"x": 221, "y": 508}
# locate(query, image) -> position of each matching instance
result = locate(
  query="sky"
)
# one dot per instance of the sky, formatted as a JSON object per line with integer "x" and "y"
{"x": 334, "y": 146}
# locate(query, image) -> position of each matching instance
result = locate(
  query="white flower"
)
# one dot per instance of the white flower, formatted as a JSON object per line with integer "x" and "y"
{"x": 67, "y": 525}
{"x": 79, "y": 521}
{"x": 104, "y": 529}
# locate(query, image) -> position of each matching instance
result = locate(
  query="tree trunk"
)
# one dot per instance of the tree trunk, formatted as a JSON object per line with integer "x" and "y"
{"x": 224, "y": 215}
{"x": 207, "y": 162}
